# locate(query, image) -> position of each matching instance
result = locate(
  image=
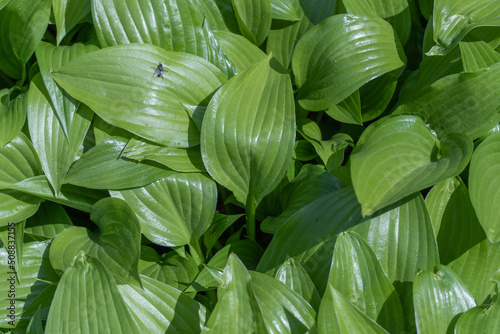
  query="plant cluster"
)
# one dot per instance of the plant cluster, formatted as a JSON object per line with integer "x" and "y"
{"x": 249, "y": 166}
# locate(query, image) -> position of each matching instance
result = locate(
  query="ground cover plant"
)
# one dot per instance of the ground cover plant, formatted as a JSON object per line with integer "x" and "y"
{"x": 249, "y": 166}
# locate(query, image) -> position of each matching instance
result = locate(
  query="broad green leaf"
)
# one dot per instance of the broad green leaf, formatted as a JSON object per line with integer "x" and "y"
{"x": 116, "y": 245}
{"x": 480, "y": 319}
{"x": 178, "y": 159}
{"x": 12, "y": 115}
{"x": 396, "y": 12}
{"x": 338, "y": 56}
{"x": 17, "y": 40}
{"x": 477, "y": 268}
{"x": 72, "y": 196}
{"x": 312, "y": 182}
{"x": 56, "y": 151}
{"x": 338, "y": 315}
{"x": 51, "y": 58}
{"x": 248, "y": 251}
{"x": 49, "y": 220}
{"x": 171, "y": 269}
{"x": 160, "y": 308}
{"x": 294, "y": 276}
{"x": 478, "y": 55}
{"x": 285, "y": 10}
{"x": 235, "y": 311}
{"x": 347, "y": 111}
{"x": 458, "y": 228}
{"x": 439, "y": 296}
{"x": 357, "y": 274}
{"x": 3, "y": 3}
{"x": 87, "y": 300}
{"x": 215, "y": 54}
{"x": 402, "y": 238}
{"x": 102, "y": 168}
{"x": 248, "y": 131}
{"x": 399, "y": 155}
{"x": 254, "y": 19}
{"x": 484, "y": 182}
{"x": 304, "y": 151}
{"x": 67, "y": 14}
{"x": 35, "y": 275}
{"x": 452, "y": 20}
{"x": 239, "y": 50}
{"x": 18, "y": 161}
{"x": 282, "y": 309}
{"x": 219, "y": 224}
{"x": 471, "y": 100}
{"x": 309, "y": 235}
{"x": 103, "y": 130}
{"x": 376, "y": 96}
{"x": 35, "y": 324}
{"x": 118, "y": 83}
{"x": 218, "y": 13}
{"x": 173, "y": 210}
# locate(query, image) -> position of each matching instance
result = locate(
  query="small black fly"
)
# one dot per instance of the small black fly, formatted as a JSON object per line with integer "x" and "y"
{"x": 159, "y": 71}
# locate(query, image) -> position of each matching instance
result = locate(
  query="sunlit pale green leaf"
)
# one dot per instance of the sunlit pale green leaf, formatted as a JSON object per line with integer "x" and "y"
{"x": 249, "y": 130}
{"x": 285, "y": 10}
{"x": 18, "y": 42}
{"x": 254, "y": 18}
{"x": 439, "y": 296}
{"x": 116, "y": 245}
{"x": 484, "y": 184}
{"x": 340, "y": 55}
{"x": 397, "y": 156}
{"x": 480, "y": 319}
{"x": 102, "y": 168}
{"x": 87, "y": 300}
{"x": 119, "y": 84}
{"x": 478, "y": 55}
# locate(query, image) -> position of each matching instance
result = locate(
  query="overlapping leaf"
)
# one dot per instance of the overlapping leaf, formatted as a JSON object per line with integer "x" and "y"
{"x": 240, "y": 51}
{"x": 254, "y": 18}
{"x": 397, "y": 156}
{"x": 67, "y": 14}
{"x": 118, "y": 83}
{"x": 12, "y": 115}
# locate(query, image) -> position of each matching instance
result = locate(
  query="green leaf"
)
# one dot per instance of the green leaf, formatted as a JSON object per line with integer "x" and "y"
{"x": 338, "y": 56}
{"x": 118, "y": 83}
{"x": 477, "y": 268}
{"x": 72, "y": 196}
{"x": 248, "y": 131}
{"x": 282, "y": 309}
{"x": 67, "y": 14}
{"x": 309, "y": 235}
{"x": 165, "y": 207}
{"x": 35, "y": 324}
{"x": 170, "y": 268}
{"x": 357, "y": 274}
{"x": 51, "y": 58}
{"x": 215, "y": 53}
{"x": 452, "y": 20}
{"x": 478, "y": 55}
{"x": 458, "y": 228}
{"x": 294, "y": 276}
{"x": 235, "y": 311}
{"x": 12, "y": 115}
{"x": 103, "y": 130}
{"x": 18, "y": 161}
{"x": 218, "y": 13}
{"x": 18, "y": 42}
{"x": 338, "y": 315}
{"x": 159, "y": 308}
{"x": 484, "y": 182}
{"x": 239, "y": 50}
{"x": 347, "y": 111}
{"x": 35, "y": 275}
{"x": 396, "y": 12}
{"x": 285, "y": 10}
{"x": 56, "y": 151}
{"x": 439, "y": 296}
{"x": 178, "y": 159}
{"x": 399, "y": 155}
{"x": 254, "y": 19}
{"x": 480, "y": 319}
{"x": 102, "y": 168}
{"x": 376, "y": 96}
{"x": 217, "y": 228}
{"x": 116, "y": 245}
{"x": 49, "y": 220}
{"x": 87, "y": 300}
{"x": 471, "y": 101}
{"x": 311, "y": 183}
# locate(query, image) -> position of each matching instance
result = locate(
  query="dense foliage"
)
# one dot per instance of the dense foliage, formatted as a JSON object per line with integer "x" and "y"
{"x": 249, "y": 166}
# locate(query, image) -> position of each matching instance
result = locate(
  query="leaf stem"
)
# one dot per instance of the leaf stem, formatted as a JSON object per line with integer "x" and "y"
{"x": 195, "y": 250}
{"x": 250, "y": 215}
